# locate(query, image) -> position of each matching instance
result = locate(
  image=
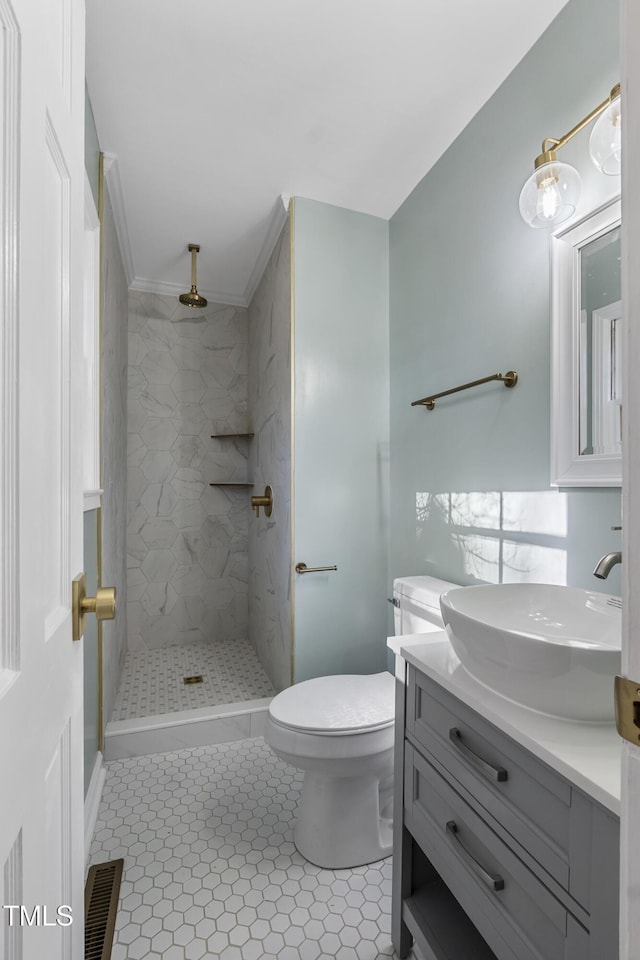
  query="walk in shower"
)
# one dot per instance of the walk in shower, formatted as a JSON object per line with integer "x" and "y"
{"x": 196, "y": 450}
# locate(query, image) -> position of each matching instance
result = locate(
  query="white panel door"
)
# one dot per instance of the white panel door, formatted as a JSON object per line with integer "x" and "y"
{"x": 41, "y": 252}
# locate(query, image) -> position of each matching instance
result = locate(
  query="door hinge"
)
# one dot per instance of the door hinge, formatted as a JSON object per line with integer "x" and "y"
{"x": 627, "y": 697}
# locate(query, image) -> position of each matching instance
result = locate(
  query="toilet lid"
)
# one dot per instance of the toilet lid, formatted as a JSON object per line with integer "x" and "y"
{"x": 339, "y": 704}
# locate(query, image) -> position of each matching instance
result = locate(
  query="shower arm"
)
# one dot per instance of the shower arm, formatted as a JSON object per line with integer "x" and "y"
{"x": 195, "y": 250}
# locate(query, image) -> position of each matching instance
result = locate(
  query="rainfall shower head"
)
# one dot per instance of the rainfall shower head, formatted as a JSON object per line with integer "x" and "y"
{"x": 193, "y": 298}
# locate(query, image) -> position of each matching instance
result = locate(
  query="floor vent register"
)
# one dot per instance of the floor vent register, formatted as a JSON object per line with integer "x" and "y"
{"x": 100, "y": 908}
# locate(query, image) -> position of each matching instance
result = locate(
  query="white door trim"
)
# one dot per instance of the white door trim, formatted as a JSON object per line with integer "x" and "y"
{"x": 630, "y": 800}
{"x": 92, "y": 803}
{"x": 9, "y": 203}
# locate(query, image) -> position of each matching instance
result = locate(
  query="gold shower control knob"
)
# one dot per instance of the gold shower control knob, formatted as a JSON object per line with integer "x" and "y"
{"x": 266, "y": 502}
{"x": 103, "y": 604}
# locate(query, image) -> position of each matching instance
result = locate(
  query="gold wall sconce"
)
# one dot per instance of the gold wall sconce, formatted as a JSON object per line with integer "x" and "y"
{"x": 551, "y": 193}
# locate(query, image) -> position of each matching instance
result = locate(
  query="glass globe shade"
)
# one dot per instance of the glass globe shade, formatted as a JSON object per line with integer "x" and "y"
{"x": 550, "y": 195}
{"x": 605, "y": 144}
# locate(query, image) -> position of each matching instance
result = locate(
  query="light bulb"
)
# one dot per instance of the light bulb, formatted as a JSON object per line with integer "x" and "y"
{"x": 605, "y": 142}
{"x": 549, "y": 200}
{"x": 550, "y": 195}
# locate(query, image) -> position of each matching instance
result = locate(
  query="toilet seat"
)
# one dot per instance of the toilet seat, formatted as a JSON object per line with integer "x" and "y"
{"x": 347, "y": 704}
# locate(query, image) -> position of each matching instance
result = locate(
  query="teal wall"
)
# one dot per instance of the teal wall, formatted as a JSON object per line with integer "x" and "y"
{"x": 90, "y": 649}
{"x": 341, "y": 431}
{"x": 469, "y": 296}
{"x": 90, "y": 641}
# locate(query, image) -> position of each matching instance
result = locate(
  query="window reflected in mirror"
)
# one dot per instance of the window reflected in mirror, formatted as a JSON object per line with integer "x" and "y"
{"x": 600, "y": 345}
{"x": 586, "y": 349}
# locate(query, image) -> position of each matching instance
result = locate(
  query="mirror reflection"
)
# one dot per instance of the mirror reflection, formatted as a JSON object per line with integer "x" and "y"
{"x": 586, "y": 346}
{"x": 600, "y": 344}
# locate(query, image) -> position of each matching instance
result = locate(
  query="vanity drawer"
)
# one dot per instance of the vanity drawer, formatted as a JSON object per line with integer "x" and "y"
{"x": 527, "y": 799}
{"x": 513, "y": 910}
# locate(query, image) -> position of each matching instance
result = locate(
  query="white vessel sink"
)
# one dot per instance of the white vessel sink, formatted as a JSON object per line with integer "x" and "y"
{"x": 554, "y": 649}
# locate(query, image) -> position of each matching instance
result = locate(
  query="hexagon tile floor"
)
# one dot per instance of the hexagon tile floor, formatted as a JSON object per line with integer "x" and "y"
{"x": 152, "y": 681}
{"x": 211, "y": 870}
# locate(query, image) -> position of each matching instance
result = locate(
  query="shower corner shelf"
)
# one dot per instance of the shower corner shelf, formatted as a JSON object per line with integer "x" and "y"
{"x": 230, "y": 483}
{"x": 231, "y": 436}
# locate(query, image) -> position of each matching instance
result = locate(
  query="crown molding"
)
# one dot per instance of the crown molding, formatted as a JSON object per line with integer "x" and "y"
{"x": 114, "y": 185}
{"x": 163, "y": 287}
{"x": 278, "y": 218}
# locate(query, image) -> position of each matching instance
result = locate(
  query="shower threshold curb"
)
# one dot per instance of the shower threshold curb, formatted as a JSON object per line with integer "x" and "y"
{"x": 200, "y": 727}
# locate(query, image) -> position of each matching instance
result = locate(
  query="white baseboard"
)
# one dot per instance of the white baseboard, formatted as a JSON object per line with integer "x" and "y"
{"x": 92, "y": 803}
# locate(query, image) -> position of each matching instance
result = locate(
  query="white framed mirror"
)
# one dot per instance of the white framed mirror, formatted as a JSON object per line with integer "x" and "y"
{"x": 586, "y": 335}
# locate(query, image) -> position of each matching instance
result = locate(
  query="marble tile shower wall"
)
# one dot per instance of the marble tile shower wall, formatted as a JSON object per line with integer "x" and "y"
{"x": 186, "y": 540}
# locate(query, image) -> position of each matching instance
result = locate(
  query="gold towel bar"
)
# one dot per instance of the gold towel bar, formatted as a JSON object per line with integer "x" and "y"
{"x": 509, "y": 379}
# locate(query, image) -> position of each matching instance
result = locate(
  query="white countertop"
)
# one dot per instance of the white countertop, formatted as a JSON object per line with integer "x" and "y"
{"x": 587, "y": 754}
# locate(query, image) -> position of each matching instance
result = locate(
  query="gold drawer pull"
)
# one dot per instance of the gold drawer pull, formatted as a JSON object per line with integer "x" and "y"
{"x": 498, "y": 774}
{"x": 491, "y": 880}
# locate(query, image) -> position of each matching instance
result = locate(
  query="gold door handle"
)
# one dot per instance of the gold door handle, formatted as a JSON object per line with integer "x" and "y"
{"x": 103, "y": 604}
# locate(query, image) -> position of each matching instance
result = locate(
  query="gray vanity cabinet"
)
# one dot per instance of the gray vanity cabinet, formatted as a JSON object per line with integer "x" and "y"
{"x": 496, "y": 856}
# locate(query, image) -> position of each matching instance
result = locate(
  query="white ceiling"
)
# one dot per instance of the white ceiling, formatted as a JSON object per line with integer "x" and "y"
{"x": 215, "y": 108}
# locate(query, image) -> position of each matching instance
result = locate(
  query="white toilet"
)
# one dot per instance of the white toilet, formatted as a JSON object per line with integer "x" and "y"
{"x": 340, "y": 731}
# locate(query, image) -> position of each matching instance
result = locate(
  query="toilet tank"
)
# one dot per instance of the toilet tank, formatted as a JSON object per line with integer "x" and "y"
{"x": 416, "y": 604}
